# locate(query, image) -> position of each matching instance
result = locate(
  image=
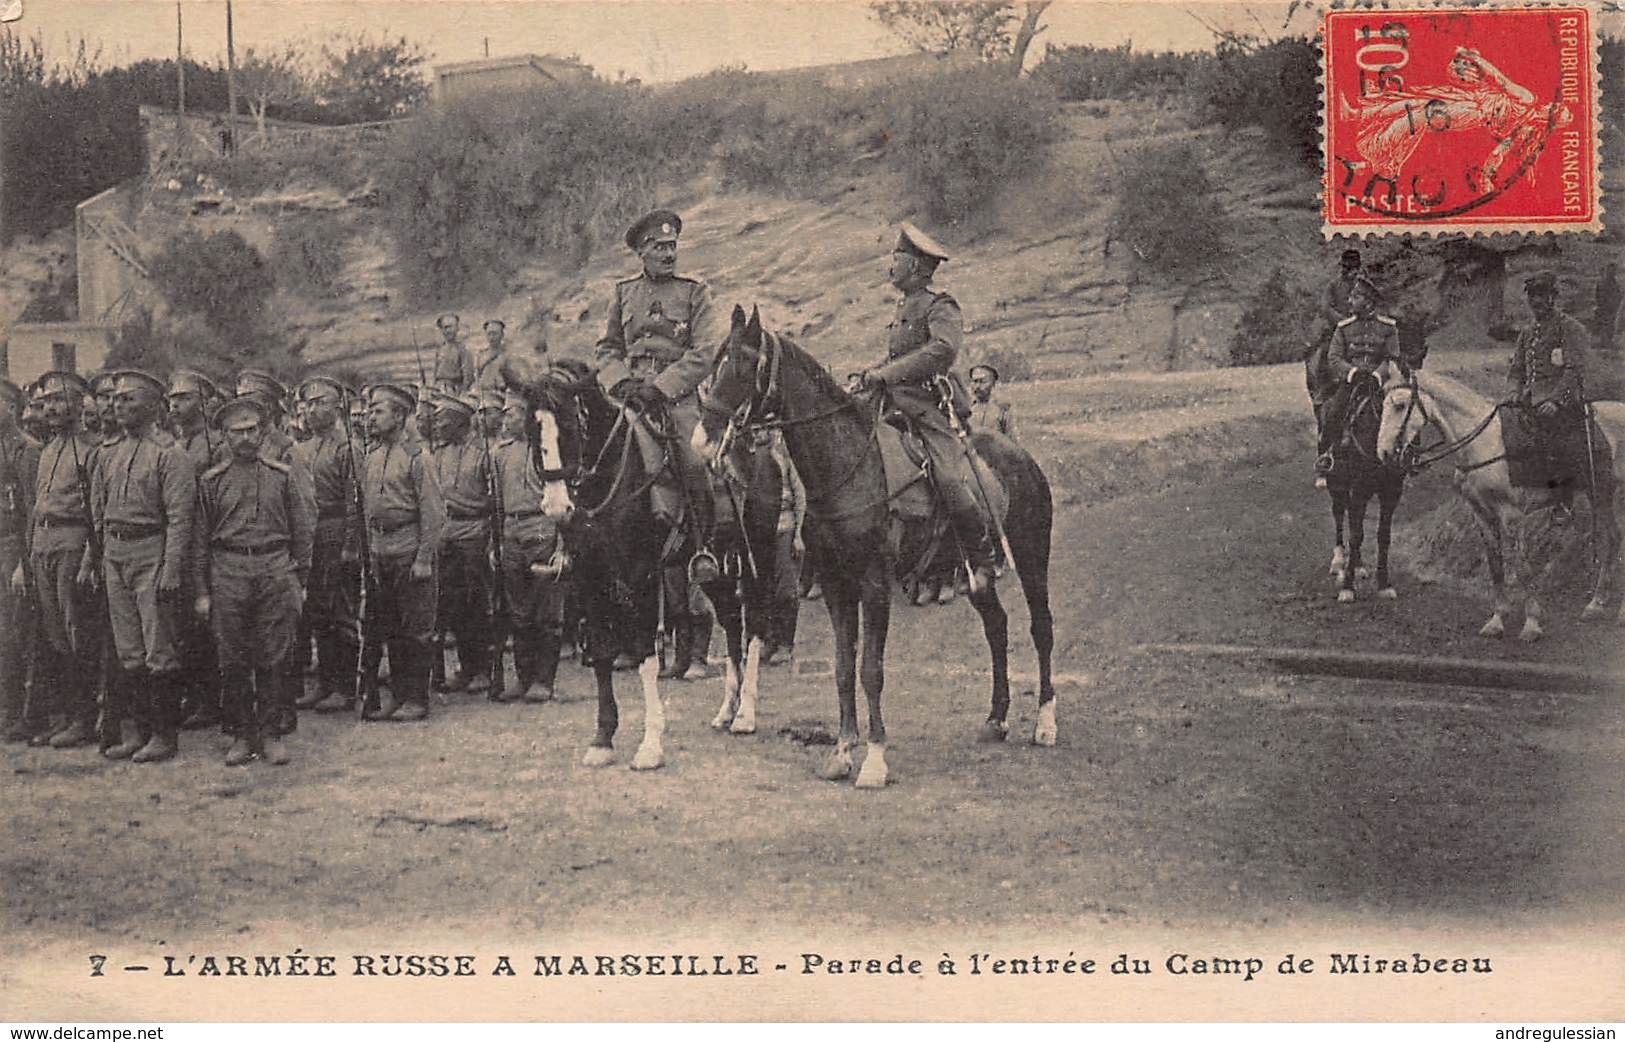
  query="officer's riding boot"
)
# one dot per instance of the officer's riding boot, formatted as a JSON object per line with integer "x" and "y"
{"x": 682, "y": 629}
{"x": 163, "y": 714}
{"x": 699, "y": 647}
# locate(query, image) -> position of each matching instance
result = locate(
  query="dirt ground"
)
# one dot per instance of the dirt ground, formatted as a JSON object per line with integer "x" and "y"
{"x": 1182, "y": 792}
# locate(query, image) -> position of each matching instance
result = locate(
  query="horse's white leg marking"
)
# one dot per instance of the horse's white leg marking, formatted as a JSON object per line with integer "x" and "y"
{"x": 555, "y": 494}
{"x": 1345, "y": 596}
{"x": 1531, "y": 631}
{"x": 1495, "y": 627}
{"x": 650, "y": 753}
{"x": 702, "y": 445}
{"x": 839, "y": 764}
{"x": 873, "y": 773}
{"x": 745, "y": 722}
{"x": 598, "y": 756}
{"x": 1388, "y": 593}
{"x": 1045, "y": 733}
{"x": 1362, "y": 572}
{"x": 730, "y": 697}
{"x": 1339, "y": 561}
{"x": 1594, "y": 609}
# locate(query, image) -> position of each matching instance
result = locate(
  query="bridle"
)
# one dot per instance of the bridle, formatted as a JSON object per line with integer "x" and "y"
{"x": 1415, "y": 457}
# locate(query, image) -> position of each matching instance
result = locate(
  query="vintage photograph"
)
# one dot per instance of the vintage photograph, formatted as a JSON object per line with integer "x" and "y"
{"x": 750, "y": 510}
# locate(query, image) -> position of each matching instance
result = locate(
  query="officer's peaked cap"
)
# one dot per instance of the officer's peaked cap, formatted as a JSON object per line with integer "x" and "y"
{"x": 395, "y": 394}
{"x": 322, "y": 387}
{"x": 135, "y": 379}
{"x": 453, "y": 403}
{"x": 1350, "y": 256}
{"x": 100, "y": 381}
{"x": 258, "y": 380}
{"x": 656, "y": 225}
{"x": 190, "y": 381}
{"x": 244, "y": 405}
{"x": 495, "y": 322}
{"x": 447, "y": 319}
{"x": 59, "y": 381}
{"x": 1541, "y": 282}
{"x": 912, "y": 240}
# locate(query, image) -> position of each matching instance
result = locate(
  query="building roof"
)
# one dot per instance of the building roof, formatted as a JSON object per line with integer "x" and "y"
{"x": 552, "y": 67}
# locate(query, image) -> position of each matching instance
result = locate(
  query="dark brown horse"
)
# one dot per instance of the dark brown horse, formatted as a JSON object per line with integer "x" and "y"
{"x": 833, "y": 440}
{"x": 1357, "y": 474}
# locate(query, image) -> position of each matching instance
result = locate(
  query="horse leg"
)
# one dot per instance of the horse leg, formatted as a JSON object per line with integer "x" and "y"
{"x": 1035, "y": 587}
{"x": 1357, "y": 504}
{"x": 601, "y": 753}
{"x": 996, "y": 628}
{"x": 841, "y": 600}
{"x": 651, "y": 752}
{"x": 1387, "y": 501}
{"x": 1605, "y": 527}
{"x": 1494, "y": 532}
{"x": 1339, "y": 496}
{"x": 725, "y": 602}
{"x": 876, "y": 587}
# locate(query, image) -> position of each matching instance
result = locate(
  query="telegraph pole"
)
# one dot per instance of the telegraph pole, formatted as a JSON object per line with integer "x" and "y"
{"x": 180, "y": 86}
{"x": 231, "y": 82}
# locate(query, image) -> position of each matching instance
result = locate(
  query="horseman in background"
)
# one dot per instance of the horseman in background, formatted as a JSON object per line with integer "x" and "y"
{"x": 1546, "y": 381}
{"x": 1362, "y": 347}
{"x": 923, "y": 341}
{"x": 1334, "y": 309}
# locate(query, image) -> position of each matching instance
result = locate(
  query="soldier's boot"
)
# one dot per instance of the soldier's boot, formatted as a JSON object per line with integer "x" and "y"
{"x": 682, "y": 643}
{"x": 163, "y": 708}
{"x": 413, "y": 686}
{"x": 327, "y": 660}
{"x": 41, "y": 736}
{"x": 202, "y": 699}
{"x": 437, "y": 665}
{"x": 240, "y": 753}
{"x": 544, "y": 667}
{"x": 276, "y": 750}
{"x": 699, "y": 648}
{"x": 78, "y": 732}
{"x": 120, "y": 718}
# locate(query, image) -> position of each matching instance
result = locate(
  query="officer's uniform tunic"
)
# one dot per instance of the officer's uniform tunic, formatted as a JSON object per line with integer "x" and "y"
{"x": 73, "y": 619}
{"x": 19, "y": 463}
{"x": 255, "y": 534}
{"x": 535, "y": 603}
{"x": 1357, "y": 343}
{"x": 465, "y": 574}
{"x": 405, "y": 516}
{"x": 1548, "y": 365}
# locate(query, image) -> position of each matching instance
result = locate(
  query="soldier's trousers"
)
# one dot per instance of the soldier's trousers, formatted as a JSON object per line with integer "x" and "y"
{"x": 332, "y": 607}
{"x": 786, "y": 600}
{"x": 535, "y": 604}
{"x": 465, "y": 602}
{"x": 255, "y": 613}
{"x": 16, "y": 627}
{"x": 67, "y": 672}
{"x": 955, "y": 485}
{"x": 200, "y": 669}
{"x": 144, "y": 626}
{"x": 401, "y": 617}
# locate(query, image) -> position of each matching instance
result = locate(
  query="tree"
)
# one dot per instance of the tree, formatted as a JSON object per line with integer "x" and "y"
{"x": 370, "y": 80}
{"x": 992, "y": 31}
{"x": 275, "y": 78}
{"x": 22, "y": 62}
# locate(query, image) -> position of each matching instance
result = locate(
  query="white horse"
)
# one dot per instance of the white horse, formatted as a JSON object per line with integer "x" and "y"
{"x": 1473, "y": 442}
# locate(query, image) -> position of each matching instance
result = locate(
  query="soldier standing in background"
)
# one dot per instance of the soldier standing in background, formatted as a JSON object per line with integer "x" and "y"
{"x": 62, "y": 572}
{"x": 334, "y": 582}
{"x": 19, "y": 473}
{"x": 405, "y": 516}
{"x": 485, "y": 375}
{"x": 143, "y": 493}
{"x": 987, "y": 412}
{"x": 453, "y": 368}
{"x": 789, "y": 552}
{"x": 191, "y": 398}
{"x": 462, "y": 465}
{"x": 253, "y": 551}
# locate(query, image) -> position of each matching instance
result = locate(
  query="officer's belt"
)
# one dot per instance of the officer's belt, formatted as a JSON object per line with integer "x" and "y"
{"x": 277, "y": 547}
{"x": 654, "y": 345}
{"x": 126, "y": 533}
{"x": 384, "y": 526}
{"x": 59, "y": 521}
{"x": 523, "y": 515}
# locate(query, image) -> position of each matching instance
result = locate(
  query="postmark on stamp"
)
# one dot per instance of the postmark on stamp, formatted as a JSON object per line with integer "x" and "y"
{"x": 1477, "y": 120}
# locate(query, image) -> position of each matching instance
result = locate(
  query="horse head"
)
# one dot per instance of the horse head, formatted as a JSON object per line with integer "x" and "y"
{"x": 555, "y": 424}
{"x": 1403, "y": 418}
{"x": 738, "y": 386}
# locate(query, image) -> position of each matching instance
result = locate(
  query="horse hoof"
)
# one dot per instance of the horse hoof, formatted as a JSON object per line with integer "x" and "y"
{"x": 1531, "y": 631}
{"x": 1345, "y": 596}
{"x": 742, "y": 725}
{"x": 1338, "y": 560}
{"x": 835, "y": 769}
{"x": 1388, "y": 593}
{"x": 1362, "y": 572}
{"x": 721, "y": 721}
{"x": 1594, "y": 610}
{"x": 1493, "y": 628}
{"x": 598, "y": 756}
{"x": 872, "y": 777}
{"x": 993, "y": 731}
{"x": 649, "y": 758}
{"x": 1044, "y": 736}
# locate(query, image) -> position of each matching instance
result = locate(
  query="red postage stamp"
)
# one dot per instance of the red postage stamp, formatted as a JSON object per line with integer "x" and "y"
{"x": 1478, "y": 119}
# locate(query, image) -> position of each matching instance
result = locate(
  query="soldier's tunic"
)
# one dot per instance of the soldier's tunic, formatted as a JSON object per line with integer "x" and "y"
{"x": 194, "y": 637}
{"x": 254, "y": 535}
{"x": 19, "y": 465}
{"x": 405, "y": 516}
{"x": 453, "y": 366}
{"x": 1548, "y": 365}
{"x": 535, "y": 603}
{"x": 485, "y": 374}
{"x": 1357, "y": 343}
{"x": 923, "y": 340}
{"x": 73, "y": 619}
{"x": 334, "y": 583}
{"x": 465, "y": 574}
{"x": 1334, "y": 308}
{"x": 993, "y": 415}
{"x": 143, "y": 494}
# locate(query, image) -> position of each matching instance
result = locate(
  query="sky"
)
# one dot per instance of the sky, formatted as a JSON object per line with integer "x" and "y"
{"x": 654, "y": 40}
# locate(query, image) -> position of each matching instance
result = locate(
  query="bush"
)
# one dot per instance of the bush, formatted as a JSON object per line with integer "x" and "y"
{"x": 159, "y": 344}
{"x": 958, "y": 137}
{"x": 220, "y": 278}
{"x": 308, "y": 254}
{"x": 1272, "y": 85}
{"x": 1094, "y": 73}
{"x": 1279, "y": 323}
{"x": 309, "y": 160}
{"x": 1168, "y": 210}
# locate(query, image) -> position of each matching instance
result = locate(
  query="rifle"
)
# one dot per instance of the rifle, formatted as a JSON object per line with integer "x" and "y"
{"x": 364, "y": 543}
{"x": 498, "y": 599}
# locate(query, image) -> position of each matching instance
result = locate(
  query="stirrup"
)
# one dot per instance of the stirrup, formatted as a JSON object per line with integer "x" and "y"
{"x": 704, "y": 567}
{"x": 733, "y": 564}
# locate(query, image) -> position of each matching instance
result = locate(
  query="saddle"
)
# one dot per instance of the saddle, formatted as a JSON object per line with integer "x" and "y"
{"x": 918, "y": 518}
{"x": 1546, "y": 454}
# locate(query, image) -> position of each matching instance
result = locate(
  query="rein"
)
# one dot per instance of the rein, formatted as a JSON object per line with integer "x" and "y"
{"x": 1427, "y": 456}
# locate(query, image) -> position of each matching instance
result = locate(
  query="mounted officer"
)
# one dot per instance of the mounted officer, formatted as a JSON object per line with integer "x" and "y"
{"x": 1546, "y": 380}
{"x": 923, "y": 340}
{"x": 1361, "y": 345}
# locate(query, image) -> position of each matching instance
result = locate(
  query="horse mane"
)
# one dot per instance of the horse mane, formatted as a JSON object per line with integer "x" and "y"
{"x": 812, "y": 368}
{"x": 1454, "y": 395}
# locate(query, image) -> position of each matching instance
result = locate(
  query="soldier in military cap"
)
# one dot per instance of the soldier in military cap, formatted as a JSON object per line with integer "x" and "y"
{"x": 485, "y": 365}
{"x": 1362, "y": 345}
{"x": 192, "y": 396}
{"x": 19, "y": 472}
{"x": 453, "y": 365}
{"x": 924, "y": 339}
{"x": 463, "y": 466}
{"x": 405, "y": 515}
{"x": 988, "y": 412}
{"x": 62, "y": 573}
{"x": 253, "y": 553}
{"x": 143, "y": 494}
{"x": 1546, "y": 379}
{"x": 98, "y": 417}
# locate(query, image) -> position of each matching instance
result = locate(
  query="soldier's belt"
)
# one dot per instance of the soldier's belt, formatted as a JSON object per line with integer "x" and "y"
{"x": 127, "y": 533}
{"x": 264, "y": 550}
{"x": 384, "y": 526}
{"x": 523, "y": 515}
{"x": 467, "y": 515}
{"x": 50, "y": 521}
